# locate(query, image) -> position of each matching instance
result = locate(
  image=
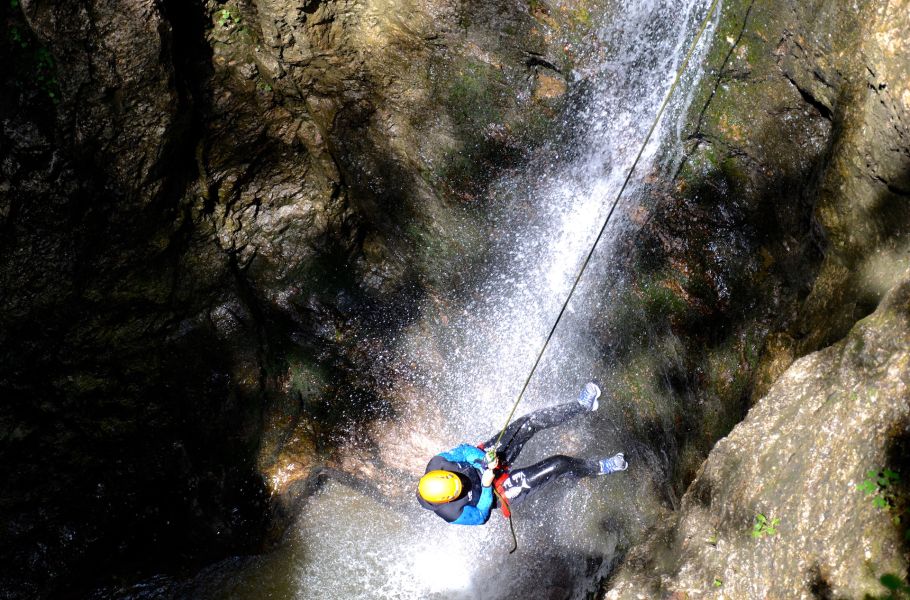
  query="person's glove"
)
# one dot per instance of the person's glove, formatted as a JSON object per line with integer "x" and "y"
{"x": 486, "y": 479}
{"x": 490, "y": 460}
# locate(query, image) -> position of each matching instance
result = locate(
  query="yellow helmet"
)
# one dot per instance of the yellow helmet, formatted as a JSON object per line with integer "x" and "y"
{"x": 439, "y": 486}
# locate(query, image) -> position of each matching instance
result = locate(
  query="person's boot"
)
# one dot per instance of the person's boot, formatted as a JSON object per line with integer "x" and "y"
{"x": 589, "y": 395}
{"x": 613, "y": 464}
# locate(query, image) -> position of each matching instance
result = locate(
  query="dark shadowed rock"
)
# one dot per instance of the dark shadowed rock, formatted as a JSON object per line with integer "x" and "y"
{"x": 801, "y": 120}
{"x": 211, "y": 214}
{"x": 799, "y": 457}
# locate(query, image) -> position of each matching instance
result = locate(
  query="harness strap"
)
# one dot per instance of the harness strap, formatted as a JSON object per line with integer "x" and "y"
{"x": 501, "y": 493}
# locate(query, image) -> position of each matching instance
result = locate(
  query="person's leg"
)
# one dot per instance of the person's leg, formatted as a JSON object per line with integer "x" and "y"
{"x": 523, "y": 429}
{"x": 524, "y": 482}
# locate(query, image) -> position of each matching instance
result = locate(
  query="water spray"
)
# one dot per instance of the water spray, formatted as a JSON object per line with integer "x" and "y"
{"x": 679, "y": 73}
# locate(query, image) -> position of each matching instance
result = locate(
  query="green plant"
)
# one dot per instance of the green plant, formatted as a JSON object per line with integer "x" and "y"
{"x": 764, "y": 526}
{"x": 718, "y": 582}
{"x": 33, "y": 65}
{"x": 228, "y": 17}
{"x": 880, "y": 486}
{"x": 15, "y": 36}
{"x": 664, "y": 293}
{"x": 582, "y": 16}
{"x": 897, "y": 587}
{"x": 44, "y": 75}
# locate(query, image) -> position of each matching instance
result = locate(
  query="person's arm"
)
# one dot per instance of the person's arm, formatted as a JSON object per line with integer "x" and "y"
{"x": 477, "y": 515}
{"x": 465, "y": 454}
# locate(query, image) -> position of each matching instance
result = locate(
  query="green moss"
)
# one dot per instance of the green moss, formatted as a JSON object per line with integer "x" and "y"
{"x": 637, "y": 387}
{"x": 474, "y": 96}
{"x": 491, "y": 129}
{"x": 708, "y": 163}
{"x": 656, "y": 291}
{"x": 724, "y": 368}
{"x": 640, "y": 386}
{"x": 458, "y": 168}
{"x": 305, "y": 379}
{"x": 582, "y": 16}
{"x": 431, "y": 247}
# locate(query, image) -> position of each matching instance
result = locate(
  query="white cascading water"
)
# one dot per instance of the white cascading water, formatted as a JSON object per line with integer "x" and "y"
{"x": 348, "y": 545}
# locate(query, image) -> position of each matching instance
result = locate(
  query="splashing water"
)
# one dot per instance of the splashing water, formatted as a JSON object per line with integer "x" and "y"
{"x": 540, "y": 250}
{"x": 347, "y": 544}
{"x": 488, "y": 347}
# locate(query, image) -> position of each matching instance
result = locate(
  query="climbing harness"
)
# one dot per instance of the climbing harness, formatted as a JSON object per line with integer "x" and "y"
{"x": 663, "y": 106}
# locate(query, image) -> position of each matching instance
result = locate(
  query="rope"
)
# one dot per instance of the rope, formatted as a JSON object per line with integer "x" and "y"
{"x": 679, "y": 73}
{"x": 511, "y": 525}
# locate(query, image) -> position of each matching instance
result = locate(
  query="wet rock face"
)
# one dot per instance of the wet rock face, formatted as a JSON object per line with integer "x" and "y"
{"x": 394, "y": 109}
{"x": 799, "y": 148}
{"x": 723, "y": 252}
{"x": 800, "y": 459}
{"x": 201, "y": 203}
{"x": 863, "y": 197}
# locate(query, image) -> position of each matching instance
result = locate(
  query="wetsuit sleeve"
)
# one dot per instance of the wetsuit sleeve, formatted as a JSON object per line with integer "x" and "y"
{"x": 477, "y": 515}
{"x": 465, "y": 454}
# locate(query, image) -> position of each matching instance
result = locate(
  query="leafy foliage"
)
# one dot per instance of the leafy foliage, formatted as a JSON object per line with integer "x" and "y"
{"x": 228, "y": 17}
{"x": 44, "y": 73}
{"x": 764, "y": 526}
{"x": 897, "y": 588}
{"x": 33, "y": 66}
{"x": 880, "y": 486}
{"x": 893, "y": 582}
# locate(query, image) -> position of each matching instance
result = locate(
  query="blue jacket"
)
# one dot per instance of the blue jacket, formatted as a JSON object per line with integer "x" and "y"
{"x": 472, "y": 507}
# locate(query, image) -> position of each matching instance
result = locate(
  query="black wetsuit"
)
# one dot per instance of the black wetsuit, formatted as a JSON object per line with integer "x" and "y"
{"x": 524, "y": 482}
{"x": 513, "y": 485}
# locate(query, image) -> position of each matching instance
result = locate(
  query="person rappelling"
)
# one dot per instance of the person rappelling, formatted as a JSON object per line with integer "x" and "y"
{"x": 459, "y": 485}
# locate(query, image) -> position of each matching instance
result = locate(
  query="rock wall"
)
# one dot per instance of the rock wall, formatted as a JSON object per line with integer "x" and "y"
{"x": 800, "y": 460}
{"x": 213, "y": 213}
{"x": 201, "y": 204}
{"x": 803, "y": 125}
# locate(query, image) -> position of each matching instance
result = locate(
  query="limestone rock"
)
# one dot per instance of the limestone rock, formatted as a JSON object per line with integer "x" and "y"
{"x": 203, "y": 203}
{"x": 795, "y": 120}
{"x": 799, "y": 457}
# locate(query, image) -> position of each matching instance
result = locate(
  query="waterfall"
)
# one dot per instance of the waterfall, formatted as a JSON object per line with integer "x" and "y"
{"x": 347, "y": 544}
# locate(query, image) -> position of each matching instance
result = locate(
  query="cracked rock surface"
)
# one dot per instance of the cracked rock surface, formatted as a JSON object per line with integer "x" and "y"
{"x": 201, "y": 204}
{"x": 802, "y": 116}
